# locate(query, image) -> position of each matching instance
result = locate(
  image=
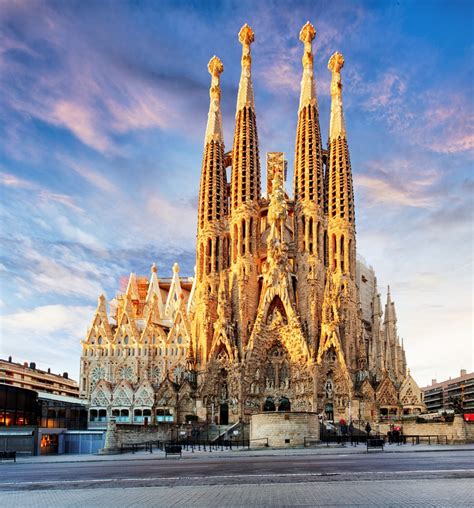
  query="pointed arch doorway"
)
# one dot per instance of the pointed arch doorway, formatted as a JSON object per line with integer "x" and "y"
{"x": 224, "y": 414}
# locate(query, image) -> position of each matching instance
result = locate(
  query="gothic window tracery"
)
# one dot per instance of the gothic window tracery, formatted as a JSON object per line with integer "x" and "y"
{"x": 155, "y": 373}
{"x": 126, "y": 373}
{"x": 97, "y": 373}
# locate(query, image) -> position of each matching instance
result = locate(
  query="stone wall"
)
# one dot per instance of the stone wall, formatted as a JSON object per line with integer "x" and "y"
{"x": 283, "y": 429}
{"x": 128, "y": 434}
{"x": 456, "y": 431}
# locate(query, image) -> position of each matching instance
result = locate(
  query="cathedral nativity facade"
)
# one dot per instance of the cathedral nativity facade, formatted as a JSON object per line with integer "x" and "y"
{"x": 280, "y": 315}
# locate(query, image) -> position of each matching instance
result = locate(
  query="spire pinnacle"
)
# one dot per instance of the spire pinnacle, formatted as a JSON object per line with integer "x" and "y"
{"x": 214, "y": 120}
{"x": 308, "y": 88}
{"x": 245, "y": 96}
{"x": 246, "y": 36}
{"x": 337, "y": 126}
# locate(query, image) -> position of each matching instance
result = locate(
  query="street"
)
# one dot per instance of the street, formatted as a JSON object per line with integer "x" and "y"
{"x": 340, "y": 479}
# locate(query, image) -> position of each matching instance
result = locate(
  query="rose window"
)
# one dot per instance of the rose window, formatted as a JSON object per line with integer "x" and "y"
{"x": 126, "y": 373}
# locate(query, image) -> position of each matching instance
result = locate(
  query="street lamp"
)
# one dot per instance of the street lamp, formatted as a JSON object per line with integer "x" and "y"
{"x": 236, "y": 434}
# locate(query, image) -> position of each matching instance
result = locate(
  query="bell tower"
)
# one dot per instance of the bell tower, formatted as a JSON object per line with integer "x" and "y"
{"x": 310, "y": 220}
{"x": 244, "y": 200}
{"x": 341, "y": 219}
{"x": 212, "y": 232}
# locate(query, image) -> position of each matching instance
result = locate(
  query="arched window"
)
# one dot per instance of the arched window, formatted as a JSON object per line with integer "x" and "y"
{"x": 303, "y": 233}
{"x": 216, "y": 254}
{"x": 284, "y": 404}
{"x": 310, "y": 235}
{"x": 342, "y": 252}
{"x": 208, "y": 256}
{"x": 334, "y": 251}
{"x": 318, "y": 241}
{"x": 350, "y": 257}
{"x": 251, "y": 236}
{"x": 269, "y": 405}
{"x": 244, "y": 235}
{"x": 235, "y": 243}
{"x": 326, "y": 248}
{"x": 201, "y": 261}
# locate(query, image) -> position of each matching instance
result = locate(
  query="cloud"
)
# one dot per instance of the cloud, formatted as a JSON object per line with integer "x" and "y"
{"x": 441, "y": 121}
{"x": 398, "y": 182}
{"x": 81, "y": 120}
{"x": 92, "y": 176}
{"x": 81, "y": 85}
{"x": 447, "y": 124}
{"x": 44, "y": 195}
{"x": 59, "y": 273}
{"x": 49, "y": 335}
{"x": 177, "y": 220}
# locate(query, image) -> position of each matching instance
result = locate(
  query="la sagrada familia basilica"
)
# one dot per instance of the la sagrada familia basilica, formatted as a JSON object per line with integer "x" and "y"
{"x": 280, "y": 315}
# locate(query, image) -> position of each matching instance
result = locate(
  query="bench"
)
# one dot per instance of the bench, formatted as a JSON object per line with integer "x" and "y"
{"x": 8, "y": 456}
{"x": 173, "y": 450}
{"x": 375, "y": 443}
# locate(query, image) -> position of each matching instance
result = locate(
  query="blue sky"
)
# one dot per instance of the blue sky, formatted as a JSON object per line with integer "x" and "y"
{"x": 103, "y": 107}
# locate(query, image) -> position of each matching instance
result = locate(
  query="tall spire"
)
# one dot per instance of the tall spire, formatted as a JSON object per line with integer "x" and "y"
{"x": 308, "y": 174}
{"x": 245, "y": 158}
{"x": 390, "y": 314}
{"x": 340, "y": 193}
{"x": 212, "y": 199}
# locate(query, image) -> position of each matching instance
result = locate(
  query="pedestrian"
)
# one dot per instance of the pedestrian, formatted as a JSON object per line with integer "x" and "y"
{"x": 344, "y": 432}
{"x": 368, "y": 428}
{"x": 351, "y": 430}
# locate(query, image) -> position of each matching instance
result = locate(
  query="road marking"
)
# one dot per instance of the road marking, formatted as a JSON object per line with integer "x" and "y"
{"x": 279, "y": 475}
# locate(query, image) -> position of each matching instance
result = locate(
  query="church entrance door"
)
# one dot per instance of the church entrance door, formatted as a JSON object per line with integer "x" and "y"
{"x": 224, "y": 414}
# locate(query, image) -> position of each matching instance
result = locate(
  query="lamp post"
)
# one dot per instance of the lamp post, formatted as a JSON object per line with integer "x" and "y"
{"x": 236, "y": 434}
{"x": 182, "y": 433}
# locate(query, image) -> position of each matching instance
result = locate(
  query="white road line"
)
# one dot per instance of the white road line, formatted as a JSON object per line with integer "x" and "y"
{"x": 279, "y": 475}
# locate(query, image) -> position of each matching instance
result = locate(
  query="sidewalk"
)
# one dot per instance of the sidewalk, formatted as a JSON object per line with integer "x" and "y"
{"x": 242, "y": 452}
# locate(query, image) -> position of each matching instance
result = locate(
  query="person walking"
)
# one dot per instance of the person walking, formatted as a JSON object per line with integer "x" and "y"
{"x": 351, "y": 430}
{"x": 344, "y": 432}
{"x": 368, "y": 428}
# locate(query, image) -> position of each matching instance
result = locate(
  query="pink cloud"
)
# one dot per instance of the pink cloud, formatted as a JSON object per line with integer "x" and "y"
{"x": 398, "y": 183}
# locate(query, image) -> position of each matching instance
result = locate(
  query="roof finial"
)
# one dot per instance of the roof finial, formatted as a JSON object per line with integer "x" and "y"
{"x": 215, "y": 68}
{"x": 337, "y": 127}
{"x": 335, "y": 64}
{"x": 154, "y": 268}
{"x": 214, "y": 121}
{"x": 245, "y": 95}
{"x": 308, "y": 86}
{"x": 246, "y": 37}
{"x": 307, "y": 34}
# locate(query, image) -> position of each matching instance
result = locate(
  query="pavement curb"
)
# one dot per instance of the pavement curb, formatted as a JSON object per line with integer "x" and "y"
{"x": 240, "y": 453}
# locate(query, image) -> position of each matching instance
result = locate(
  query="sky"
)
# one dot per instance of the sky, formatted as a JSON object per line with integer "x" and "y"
{"x": 103, "y": 108}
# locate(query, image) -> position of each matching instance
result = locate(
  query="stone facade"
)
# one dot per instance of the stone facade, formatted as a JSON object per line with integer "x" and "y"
{"x": 282, "y": 429}
{"x": 280, "y": 315}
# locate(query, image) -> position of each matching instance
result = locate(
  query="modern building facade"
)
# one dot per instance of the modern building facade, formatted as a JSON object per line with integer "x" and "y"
{"x": 280, "y": 315}
{"x": 26, "y": 375}
{"x": 40, "y": 423}
{"x": 457, "y": 393}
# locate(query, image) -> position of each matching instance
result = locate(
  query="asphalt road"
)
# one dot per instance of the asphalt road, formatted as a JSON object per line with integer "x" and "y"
{"x": 234, "y": 470}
